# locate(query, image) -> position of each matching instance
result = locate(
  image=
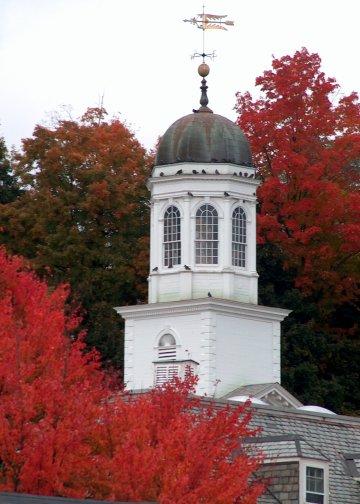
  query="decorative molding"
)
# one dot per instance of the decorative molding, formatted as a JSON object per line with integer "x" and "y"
{"x": 240, "y": 197}
{"x": 236, "y": 308}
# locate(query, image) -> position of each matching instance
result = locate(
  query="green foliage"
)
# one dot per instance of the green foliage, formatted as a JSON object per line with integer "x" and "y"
{"x": 320, "y": 350}
{"x": 9, "y": 189}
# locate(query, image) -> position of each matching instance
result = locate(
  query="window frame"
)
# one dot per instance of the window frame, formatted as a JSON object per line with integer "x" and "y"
{"x": 166, "y": 352}
{"x": 174, "y": 246}
{"x": 242, "y": 232}
{"x": 206, "y": 244}
{"x": 303, "y": 464}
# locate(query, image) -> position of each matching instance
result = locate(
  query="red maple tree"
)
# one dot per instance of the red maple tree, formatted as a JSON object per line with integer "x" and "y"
{"x": 305, "y": 139}
{"x": 66, "y": 430}
{"x": 50, "y": 391}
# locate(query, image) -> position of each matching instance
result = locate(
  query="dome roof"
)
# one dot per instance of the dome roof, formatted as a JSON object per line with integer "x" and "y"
{"x": 204, "y": 137}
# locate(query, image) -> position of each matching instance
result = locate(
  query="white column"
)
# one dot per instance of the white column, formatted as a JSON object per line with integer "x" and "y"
{"x": 186, "y": 234}
{"x": 159, "y": 234}
{"x": 185, "y": 276}
{"x": 251, "y": 237}
{"x": 227, "y": 232}
{"x": 227, "y": 276}
{"x": 152, "y": 236}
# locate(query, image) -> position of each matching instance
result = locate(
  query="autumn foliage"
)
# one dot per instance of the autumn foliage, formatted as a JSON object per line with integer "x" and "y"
{"x": 305, "y": 139}
{"x": 67, "y": 429}
{"x": 82, "y": 217}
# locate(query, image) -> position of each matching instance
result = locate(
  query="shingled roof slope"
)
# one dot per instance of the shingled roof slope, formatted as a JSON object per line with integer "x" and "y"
{"x": 333, "y": 436}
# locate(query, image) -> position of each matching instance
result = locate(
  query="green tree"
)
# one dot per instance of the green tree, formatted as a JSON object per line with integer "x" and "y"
{"x": 9, "y": 189}
{"x": 320, "y": 351}
{"x": 83, "y": 218}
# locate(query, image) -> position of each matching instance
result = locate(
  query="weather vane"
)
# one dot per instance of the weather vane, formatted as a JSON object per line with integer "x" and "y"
{"x": 208, "y": 22}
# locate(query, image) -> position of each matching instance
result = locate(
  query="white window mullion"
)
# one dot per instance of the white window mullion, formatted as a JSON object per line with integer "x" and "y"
{"x": 172, "y": 237}
{"x": 239, "y": 238}
{"x": 207, "y": 235}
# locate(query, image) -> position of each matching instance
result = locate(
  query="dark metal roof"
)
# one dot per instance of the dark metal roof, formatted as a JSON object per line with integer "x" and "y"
{"x": 17, "y": 498}
{"x": 204, "y": 138}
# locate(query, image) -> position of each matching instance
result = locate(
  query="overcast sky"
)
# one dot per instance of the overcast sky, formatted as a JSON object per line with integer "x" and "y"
{"x": 136, "y": 54}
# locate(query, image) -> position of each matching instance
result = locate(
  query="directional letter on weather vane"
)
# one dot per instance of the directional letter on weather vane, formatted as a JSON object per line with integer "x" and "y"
{"x": 208, "y": 22}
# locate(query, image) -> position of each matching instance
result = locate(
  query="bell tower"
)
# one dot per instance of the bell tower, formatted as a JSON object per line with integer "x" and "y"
{"x": 203, "y": 210}
{"x": 203, "y": 315}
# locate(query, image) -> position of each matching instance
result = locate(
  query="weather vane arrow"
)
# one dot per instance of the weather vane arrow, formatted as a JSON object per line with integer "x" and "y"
{"x": 205, "y": 22}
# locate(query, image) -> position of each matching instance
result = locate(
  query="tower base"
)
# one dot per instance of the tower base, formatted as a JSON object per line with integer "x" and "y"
{"x": 233, "y": 343}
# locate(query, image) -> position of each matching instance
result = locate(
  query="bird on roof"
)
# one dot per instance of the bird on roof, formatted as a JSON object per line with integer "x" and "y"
{"x": 161, "y": 174}
{"x": 179, "y": 172}
{"x": 190, "y": 194}
{"x": 187, "y": 267}
{"x": 209, "y": 294}
{"x": 203, "y": 172}
{"x": 217, "y": 172}
{"x": 226, "y": 193}
{"x": 195, "y": 172}
{"x": 155, "y": 269}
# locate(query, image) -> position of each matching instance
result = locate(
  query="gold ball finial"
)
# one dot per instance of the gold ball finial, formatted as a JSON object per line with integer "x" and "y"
{"x": 203, "y": 70}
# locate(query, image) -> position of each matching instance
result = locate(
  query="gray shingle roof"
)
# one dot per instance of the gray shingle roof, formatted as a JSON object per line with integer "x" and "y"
{"x": 285, "y": 446}
{"x": 331, "y": 435}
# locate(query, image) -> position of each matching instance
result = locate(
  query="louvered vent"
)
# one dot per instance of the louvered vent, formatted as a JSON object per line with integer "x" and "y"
{"x": 165, "y": 372}
{"x": 167, "y": 347}
{"x": 167, "y": 352}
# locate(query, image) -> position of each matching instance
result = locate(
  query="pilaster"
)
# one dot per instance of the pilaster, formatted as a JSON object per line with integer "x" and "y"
{"x": 276, "y": 349}
{"x": 207, "y": 375}
{"x": 129, "y": 353}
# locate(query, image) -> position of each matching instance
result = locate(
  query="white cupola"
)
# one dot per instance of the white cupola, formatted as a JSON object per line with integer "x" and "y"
{"x": 203, "y": 315}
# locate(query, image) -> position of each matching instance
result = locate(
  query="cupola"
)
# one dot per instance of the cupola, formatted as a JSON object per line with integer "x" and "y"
{"x": 203, "y": 137}
{"x": 203, "y": 210}
{"x": 202, "y": 317}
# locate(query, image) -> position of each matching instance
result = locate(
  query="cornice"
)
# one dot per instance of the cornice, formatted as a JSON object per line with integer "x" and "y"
{"x": 208, "y": 177}
{"x": 224, "y": 306}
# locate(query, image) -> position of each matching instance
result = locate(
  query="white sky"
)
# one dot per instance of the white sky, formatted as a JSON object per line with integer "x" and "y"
{"x": 136, "y": 54}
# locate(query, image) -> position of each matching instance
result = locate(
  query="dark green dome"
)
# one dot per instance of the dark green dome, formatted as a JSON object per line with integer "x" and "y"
{"x": 204, "y": 137}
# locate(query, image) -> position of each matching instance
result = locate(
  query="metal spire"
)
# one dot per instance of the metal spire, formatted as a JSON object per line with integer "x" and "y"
{"x": 205, "y": 22}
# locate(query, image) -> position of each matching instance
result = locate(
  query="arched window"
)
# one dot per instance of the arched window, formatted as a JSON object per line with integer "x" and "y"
{"x": 239, "y": 237}
{"x": 206, "y": 240}
{"x": 172, "y": 237}
{"x": 167, "y": 347}
{"x": 166, "y": 366}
